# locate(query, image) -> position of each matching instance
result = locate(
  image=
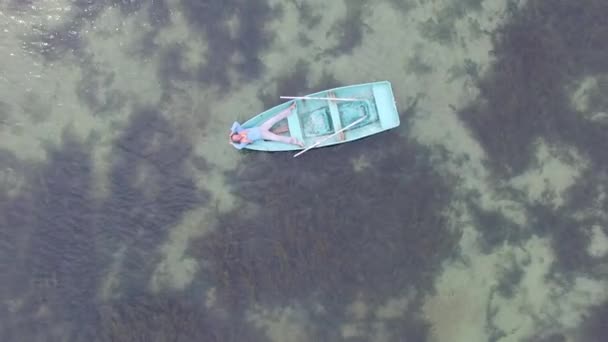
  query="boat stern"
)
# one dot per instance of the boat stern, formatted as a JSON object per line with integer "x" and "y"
{"x": 386, "y": 105}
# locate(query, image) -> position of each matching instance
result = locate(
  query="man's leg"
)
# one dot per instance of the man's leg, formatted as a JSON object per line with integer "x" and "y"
{"x": 282, "y": 115}
{"x": 280, "y": 129}
{"x": 267, "y": 135}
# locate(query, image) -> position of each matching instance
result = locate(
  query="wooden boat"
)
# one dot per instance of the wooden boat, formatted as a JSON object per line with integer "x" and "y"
{"x": 331, "y": 117}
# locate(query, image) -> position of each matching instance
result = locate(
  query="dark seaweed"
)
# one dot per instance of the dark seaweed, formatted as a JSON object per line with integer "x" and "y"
{"x": 170, "y": 67}
{"x": 210, "y": 17}
{"x": 542, "y": 53}
{"x": 595, "y": 323}
{"x": 349, "y": 30}
{"x": 403, "y": 5}
{"x": 51, "y": 227}
{"x": 543, "y": 48}
{"x": 295, "y": 83}
{"x": 65, "y": 38}
{"x": 5, "y": 113}
{"x": 55, "y": 42}
{"x": 307, "y": 14}
{"x": 159, "y": 17}
{"x": 494, "y": 227}
{"x": 94, "y": 90}
{"x": 509, "y": 280}
{"x": 325, "y": 234}
{"x": 60, "y": 239}
{"x": 168, "y": 317}
{"x": 418, "y": 66}
{"x": 441, "y": 27}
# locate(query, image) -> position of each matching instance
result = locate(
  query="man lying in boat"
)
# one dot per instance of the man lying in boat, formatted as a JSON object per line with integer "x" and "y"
{"x": 240, "y": 137}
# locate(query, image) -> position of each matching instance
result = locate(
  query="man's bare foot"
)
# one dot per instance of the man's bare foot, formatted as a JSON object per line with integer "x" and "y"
{"x": 297, "y": 142}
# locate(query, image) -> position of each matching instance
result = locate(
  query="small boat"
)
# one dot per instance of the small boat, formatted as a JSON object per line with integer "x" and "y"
{"x": 331, "y": 117}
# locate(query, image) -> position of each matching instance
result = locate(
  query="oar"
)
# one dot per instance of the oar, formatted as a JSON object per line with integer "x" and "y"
{"x": 329, "y": 137}
{"x": 321, "y": 98}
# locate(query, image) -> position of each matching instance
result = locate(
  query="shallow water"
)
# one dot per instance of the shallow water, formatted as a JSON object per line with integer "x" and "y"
{"x": 127, "y": 216}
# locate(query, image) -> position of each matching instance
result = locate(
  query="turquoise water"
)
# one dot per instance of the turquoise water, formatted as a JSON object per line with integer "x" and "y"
{"x": 125, "y": 215}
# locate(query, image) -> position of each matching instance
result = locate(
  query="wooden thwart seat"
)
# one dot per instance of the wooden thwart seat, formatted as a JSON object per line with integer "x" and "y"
{"x": 335, "y": 116}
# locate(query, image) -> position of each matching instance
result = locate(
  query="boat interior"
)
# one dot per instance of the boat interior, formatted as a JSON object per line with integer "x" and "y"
{"x": 321, "y": 118}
